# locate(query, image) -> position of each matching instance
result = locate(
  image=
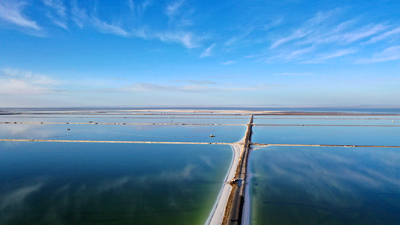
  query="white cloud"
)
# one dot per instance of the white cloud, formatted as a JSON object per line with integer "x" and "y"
{"x": 363, "y": 32}
{"x": 384, "y": 35}
{"x": 20, "y": 87}
{"x": 59, "y": 17}
{"x": 339, "y": 54}
{"x": 298, "y": 53}
{"x": 109, "y": 28}
{"x": 173, "y": 8}
{"x": 130, "y": 4}
{"x": 314, "y": 31}
{"x": 79, "y": 15}
{"x": 389, "y": 54}
{"x": 194, "y": 88}
{"x": 12, "y": 12}
{"x": 237, "y": 38}
{"x": 57, "y": 22}
{"x": 22, "y": 82}
{"x": 207, "y": 51}
{"x": 146, "y": 4}
{"x": 336, "y": 54}
{"x": 293, "y": 74}
{"x": 185, "y": 38}
{"x": 228, "y": 62}
{"x": 285, "y": 55}
{"x": 306, "y": 28}
{"x": 203, "y": 82}
{"x": 57, "y": 5}
{"x": 295, "y": 35}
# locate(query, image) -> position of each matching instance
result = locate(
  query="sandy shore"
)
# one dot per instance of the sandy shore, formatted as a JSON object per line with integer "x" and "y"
{"x": 217, "y": 213}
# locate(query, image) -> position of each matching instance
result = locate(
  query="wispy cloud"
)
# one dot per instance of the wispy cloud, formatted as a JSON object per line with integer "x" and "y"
{"x": 146, "y": 4}
{"x": 59, "y": 17}
{"x": 207, "y": 51}
{"x": 363, "y": 32}
{"x": 61, "y": 23}
{"x": 20, "y": 82}
{"x": 315, "y": 32}
{"x": 79, "y": 15}
{"x": 336, "y": 54}
{"x": 285, "y": 55}
{"x": 228, "y": 62}
{"x": 389, "y": 54}
{"x": 12, "y": 12}
{"x": 204, "y": 82}
{"x": 109, "y": 28}
{"x": 193, "y": 88}
{"x": 173, "y": 8}
{"x": 293, "y": 74}
{"x": 306, "y": 28}
{"x": 186, "y": 38}
{"x": 384, "y": 36}
{"x": 57, "y": 5}
{"x": 318, "y": 38}
{"x": 130, "y": 4}
{"x": 237, "y": 38}
{"x": 295, "y": 35}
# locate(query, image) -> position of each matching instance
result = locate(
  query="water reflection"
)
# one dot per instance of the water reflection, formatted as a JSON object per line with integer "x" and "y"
{"x": 79, "y": 183}
{"x": 384, "y": 136}
{"x": 299, "y": 185}
{"x": 228, "y": 134}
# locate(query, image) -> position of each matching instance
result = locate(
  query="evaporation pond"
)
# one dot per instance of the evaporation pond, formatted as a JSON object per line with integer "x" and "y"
{"x": 188, "y": 119}
{"x": 325, "y": 185}
{"x": 92, "y": 183}
{"x": 327, "y": 135}
{"x": 163, "y": 133}
{"x": 329, "y": 120}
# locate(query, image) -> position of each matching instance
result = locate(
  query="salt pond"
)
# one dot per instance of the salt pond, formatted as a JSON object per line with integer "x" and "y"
{"x": 325, "y": 185}
{"x": 329, "y": 120}
{"x": 188, "y": 119}
{"x": 90, "y": 183}
{"x": 385, "y": 136}
{"x": 168, "y": 133}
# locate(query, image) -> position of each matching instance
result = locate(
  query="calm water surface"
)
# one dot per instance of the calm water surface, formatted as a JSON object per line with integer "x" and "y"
{"x": 331, "y": 120}
{"x": 189, "y": 119}
{"x": 167, "y": 133}
{"x": 322, "y": 185}
{"x": 385, "y": 136}
{"x": 89, "y": 183}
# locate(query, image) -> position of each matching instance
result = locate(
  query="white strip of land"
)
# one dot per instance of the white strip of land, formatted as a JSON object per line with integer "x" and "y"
{"x": 217, "y": 213}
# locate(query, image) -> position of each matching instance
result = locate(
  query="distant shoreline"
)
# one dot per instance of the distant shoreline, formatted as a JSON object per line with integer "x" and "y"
{"x": 198, "y": 112}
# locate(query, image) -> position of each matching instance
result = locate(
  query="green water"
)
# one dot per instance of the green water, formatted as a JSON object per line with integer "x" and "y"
{"x": 90, "y": 183}
{"x": 321, "y": 185}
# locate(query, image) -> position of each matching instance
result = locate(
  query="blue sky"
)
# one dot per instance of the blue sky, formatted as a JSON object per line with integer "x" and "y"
{"x": 139, "y": 53}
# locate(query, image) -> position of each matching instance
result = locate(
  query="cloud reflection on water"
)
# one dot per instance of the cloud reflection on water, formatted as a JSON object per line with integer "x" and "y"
{"x": 342, "y": 181}
{"x": 101, "y": 195}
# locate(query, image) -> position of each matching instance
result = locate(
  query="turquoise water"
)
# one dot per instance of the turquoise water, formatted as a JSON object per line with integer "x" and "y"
{"x": 322, "y": 185}
{"x": 89, "y": 183}
{"x": 385, "y": 136}
{"x": 187, "y": 133}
